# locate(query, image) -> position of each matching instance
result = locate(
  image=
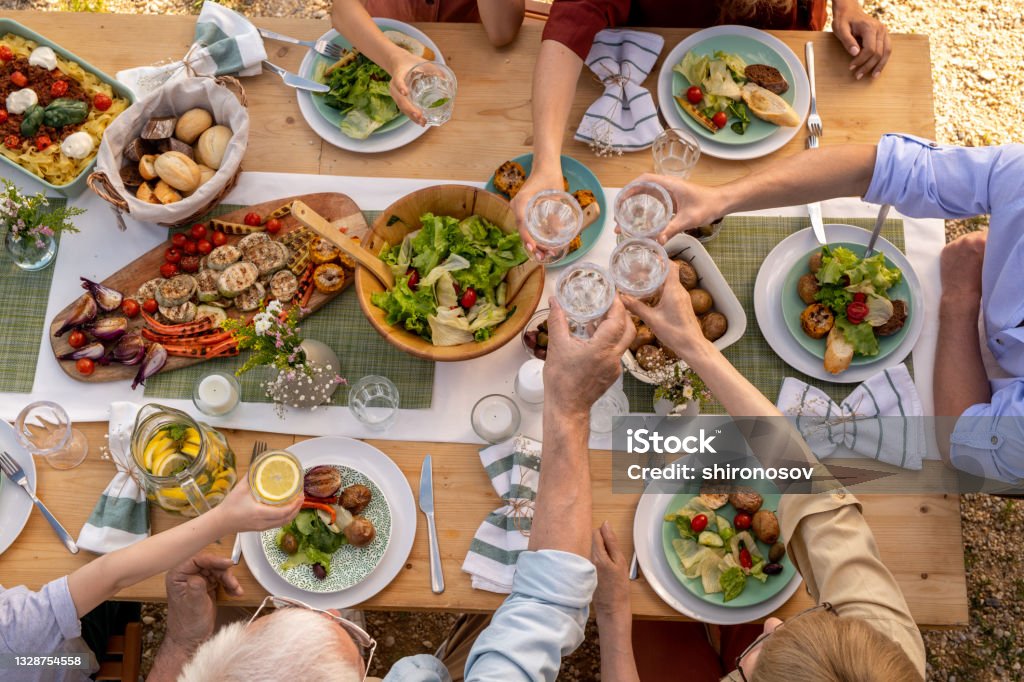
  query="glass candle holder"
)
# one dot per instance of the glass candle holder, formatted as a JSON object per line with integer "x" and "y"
{"x": 216, "y": 394}
{"x": 495, "y": 418}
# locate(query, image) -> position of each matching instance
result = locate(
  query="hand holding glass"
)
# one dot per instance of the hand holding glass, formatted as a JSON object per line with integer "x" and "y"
{"x": 432, "y": 87}
{"x": 643, "y": 209}
{"x": 586, "y": 292}
{"x": 639, "y": 267}
{"x": 553, "y": 219}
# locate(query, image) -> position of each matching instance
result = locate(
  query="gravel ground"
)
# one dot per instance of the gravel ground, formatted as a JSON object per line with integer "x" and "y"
{"x": 974, "y": 50}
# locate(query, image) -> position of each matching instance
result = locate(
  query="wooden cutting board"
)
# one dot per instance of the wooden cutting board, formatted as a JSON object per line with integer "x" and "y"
{"x": 336, "y": 208}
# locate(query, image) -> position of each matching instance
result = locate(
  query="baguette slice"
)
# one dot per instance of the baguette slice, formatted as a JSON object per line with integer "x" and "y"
{"x": 697, "y": 115}
{"x": 838, "y": 352}
{"x": 768, "y": 106}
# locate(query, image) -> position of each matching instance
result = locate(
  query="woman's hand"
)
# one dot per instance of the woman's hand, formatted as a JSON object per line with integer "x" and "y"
{"x": 540, "y": 179}
{"x": 672, "y": 320}
{"x": 612, "y": 595}
{"x": 402, "y": 61}
{"x": 241, "y": 512}
{"x": 863, "y": 36}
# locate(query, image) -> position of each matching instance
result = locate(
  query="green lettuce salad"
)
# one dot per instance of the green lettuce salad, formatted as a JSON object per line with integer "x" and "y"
{"x": 317, "y": 543}
{"x": 450, "y": 279}
{"x": 360, "y": 91}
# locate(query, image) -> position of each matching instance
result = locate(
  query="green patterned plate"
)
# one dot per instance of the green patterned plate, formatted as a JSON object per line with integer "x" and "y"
{"x": 350, "y": 565}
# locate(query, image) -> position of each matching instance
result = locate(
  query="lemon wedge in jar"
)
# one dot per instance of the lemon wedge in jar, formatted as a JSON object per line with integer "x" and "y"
{"x": 277, "y": 479}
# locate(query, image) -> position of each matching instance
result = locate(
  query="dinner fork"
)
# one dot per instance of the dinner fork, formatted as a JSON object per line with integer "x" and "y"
{"x": 17, "y": 475}
{"x": 321, "y": 46}
{"x": 258, "y": 448}
{"x": 813, "y": 119}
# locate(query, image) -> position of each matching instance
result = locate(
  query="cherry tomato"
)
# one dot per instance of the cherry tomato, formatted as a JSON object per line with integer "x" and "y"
{"x": 698, "y": 523}
{"x": 101, "y": 101}
{"x": 179, "y": 239}
{"x": 468, "y": 298}
{"x": 6, "y": 54}
{"x": 198, "y": 231}
{"x": 168, "y": 270}
{"x": 273, "y": 226}
{"x": 12, "y": 141}
{"x": 3, "y": 116}
{"x": 856, "y": 312}
{"x": 150, "y": 305}
{"x": 85, "y": 366}
{"x": 218, "y": 238}
{"x": 204, "y": 247}
{"x": 745, "y": 560}
{"x": 58, "y": 88}
{"x": 130, "y": 307}
{"x": 742, "y": 521}
{"x": 860, "y": 297}
{"x": 253, "y": 219}
{"x": 190, "y": 263}
{"x": 720, "y": 119}
{"x": 173, "y": 255}
{"x": 190, "y": 248}
{"x": 414, "y": 278}
{"x": 694, "y": 95}
{"x": 43, "y": 141}
{"x": 19, "y": 79}
{"x": 76, "y": 339}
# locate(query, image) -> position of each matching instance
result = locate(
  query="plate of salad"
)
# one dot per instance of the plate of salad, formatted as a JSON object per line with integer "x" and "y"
{"x": 358, "y": 113}
{"x": 715, "y": 80}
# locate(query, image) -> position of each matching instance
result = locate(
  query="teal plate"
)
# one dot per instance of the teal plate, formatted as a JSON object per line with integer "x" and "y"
{"x": 755, "y": 592}
{"x": 752, "y": 52}
{"x": 792, "y": 306}
{"x": 579, "y": 177}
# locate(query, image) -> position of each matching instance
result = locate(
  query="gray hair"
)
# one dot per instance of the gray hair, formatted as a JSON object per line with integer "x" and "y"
{"x": 293, "y": 640}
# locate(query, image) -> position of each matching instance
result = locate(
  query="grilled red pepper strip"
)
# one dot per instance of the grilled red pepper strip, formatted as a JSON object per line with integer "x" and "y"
{"x": 229, "y": 347}
{"x": 178, "y": 330}
{"x": 309, "y": 504}
{"x": 207, "y": 338}
{"x": 306, "y": 288}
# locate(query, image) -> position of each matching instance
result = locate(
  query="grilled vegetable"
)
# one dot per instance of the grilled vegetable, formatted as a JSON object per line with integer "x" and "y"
{"x": 251, "y": 298}
{"x": 108, "y": 328}
{"x": 106, "y": 298}
{"x": 152, "y": 362}
{"x": 83, "y": 312}
{"x": 129, "y": 350}
{"x": 94, "y": 351}
{"x": 237, "y": 278}
{"x": 235, "y": 228}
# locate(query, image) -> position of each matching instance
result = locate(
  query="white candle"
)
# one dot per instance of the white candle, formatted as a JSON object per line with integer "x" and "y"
{"x": 495, "y": 418}
{"x": 530, "y": 381}
{"x": 216, "y": 395}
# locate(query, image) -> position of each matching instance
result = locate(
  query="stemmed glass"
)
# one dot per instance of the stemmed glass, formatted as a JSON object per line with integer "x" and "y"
{"x": 586, "y": 292}
{"x": 676, "y": 152}
{"x": 643, "y": 209}
{"x": 639, "y": 267}
{"x": 553, "y": 219}
{"x": 44, "y": 429}
{"x": 432, "y": 87}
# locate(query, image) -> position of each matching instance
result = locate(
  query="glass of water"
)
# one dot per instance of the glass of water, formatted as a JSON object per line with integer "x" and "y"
{"x": 676, "y": 153}
{"x": 553, "y": 219}
{"x": 432, "y": 87}
{"x": 639, "y": 267}
{"x": 374, "y": 401}
{"x": 643, "y": 209}
{"x": 586, "y": 292}
{"x": 44, "y": 429}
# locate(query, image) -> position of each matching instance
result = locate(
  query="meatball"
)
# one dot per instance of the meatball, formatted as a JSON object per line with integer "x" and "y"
{"x": 896, "y": 322}
{"x": 360, "y": 532}
{"x": 766, "y": 526}
{"x": 807, "y": 288}
{"x": 746, "y": 500}
{"x": 650, "y": 357}
{"x": 687, "y": 275}
{"x": 714, "y": 326}
{"x": 701, "y": 301}
{"x": 817, "y": 320}
{"x": 356, "y": 497}
{"x": 322, "y": 481}
{"x": 814, "y": 262}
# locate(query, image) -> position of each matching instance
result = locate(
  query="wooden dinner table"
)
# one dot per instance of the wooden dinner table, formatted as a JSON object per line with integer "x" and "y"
{"x": 919, "y": 536}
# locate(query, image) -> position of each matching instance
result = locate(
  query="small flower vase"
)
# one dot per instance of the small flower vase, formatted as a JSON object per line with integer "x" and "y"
{"x": 31, "y": 253}
{"x": 665, "y": 408}
{"x": 299, "y": 389}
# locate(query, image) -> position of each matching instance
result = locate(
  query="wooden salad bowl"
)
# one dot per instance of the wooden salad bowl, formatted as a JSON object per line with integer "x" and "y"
{"x": 403, "y": 217}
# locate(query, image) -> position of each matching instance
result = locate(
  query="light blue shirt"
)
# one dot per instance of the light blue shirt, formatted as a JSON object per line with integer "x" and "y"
{"x": 540, "y": 622}
{"x": 926, "y": 180}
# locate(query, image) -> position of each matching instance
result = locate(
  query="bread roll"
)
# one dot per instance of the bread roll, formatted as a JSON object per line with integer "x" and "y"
{"x": 178, "y": 171}
{"x": 838, "y": 352}
{"x": 768, "y": 106}
{"x": 211, "y": 146}
{"x": 192, "y": 124}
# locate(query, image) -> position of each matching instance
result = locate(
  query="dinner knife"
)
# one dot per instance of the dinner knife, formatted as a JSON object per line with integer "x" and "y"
{"x": 882, "y": 213}
{"x": 814, "y": 209}
{"x": 427, "y": 507}
{"x": 296, "y": 81}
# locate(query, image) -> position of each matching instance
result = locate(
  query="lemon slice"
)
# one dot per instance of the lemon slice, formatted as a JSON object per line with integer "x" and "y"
{"x": 155, "y": 445}
{"x": 277, "y": 478}
{"x": 170, "y": 462}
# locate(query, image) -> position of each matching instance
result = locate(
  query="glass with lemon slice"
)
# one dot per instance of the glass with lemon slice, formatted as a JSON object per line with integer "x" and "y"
{"x": 275, "y": 477}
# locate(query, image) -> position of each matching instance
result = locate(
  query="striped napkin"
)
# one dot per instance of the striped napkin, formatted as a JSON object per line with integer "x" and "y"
{"x": 624, "y": 118}
{"x": 514, "y": 469}
{"x": 880, "y": 419}
{"x": 226, "y": 43}
{"x": 121, "y": 516}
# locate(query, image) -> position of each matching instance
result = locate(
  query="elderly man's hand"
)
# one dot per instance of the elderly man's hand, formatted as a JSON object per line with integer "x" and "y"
{"x": 695, "y": 204}
{"x": 672, "y": 320}
{"x": 612, "y": 595}
{"x": 579, "y": 371}
{"x": 961, "y": 264}
{"x": 192, "y": 597}
{"x": 863, "y": 36}
{"x": 240, "y": 511}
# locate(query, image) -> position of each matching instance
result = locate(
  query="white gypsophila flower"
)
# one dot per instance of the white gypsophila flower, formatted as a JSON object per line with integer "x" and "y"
{"x": 275, "y": 307}
{"x": 688, "y": 392}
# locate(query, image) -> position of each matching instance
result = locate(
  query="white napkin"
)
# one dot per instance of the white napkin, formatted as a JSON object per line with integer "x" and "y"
{"x": 225, "y": 43}
{"x": 624, "y": 118}
{"x": 514, "y": 469}
{"x": 880, "y": 419}
{"x": 121, "y": 517}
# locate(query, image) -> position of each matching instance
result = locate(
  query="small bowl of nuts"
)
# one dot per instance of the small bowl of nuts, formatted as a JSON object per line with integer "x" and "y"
{"x": 535, "y": 335}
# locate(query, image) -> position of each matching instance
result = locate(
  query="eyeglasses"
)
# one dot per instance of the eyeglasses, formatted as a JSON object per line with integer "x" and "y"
{"x": 367, "y": 644}
{"x": 824, "y": 606}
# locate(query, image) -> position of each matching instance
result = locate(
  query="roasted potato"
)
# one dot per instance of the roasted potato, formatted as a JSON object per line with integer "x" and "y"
{"x": 714, "y": 326}
{"x": 814, "y": 262}
{"x": 817, "y": 320}
{"x": 807, "y": 288}
{"x": 356, "y": 497}
{"x": 746, "y": 500}
{"x": 701, "y": 301}
{"x": 644, "y": 336}
{"x": 766, "y": 526}
{"x": 687, "y": 275}
{"x": 360, "y": 532}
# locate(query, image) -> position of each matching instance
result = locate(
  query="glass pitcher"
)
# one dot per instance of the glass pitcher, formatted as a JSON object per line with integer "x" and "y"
{"x": 186, "y": 465}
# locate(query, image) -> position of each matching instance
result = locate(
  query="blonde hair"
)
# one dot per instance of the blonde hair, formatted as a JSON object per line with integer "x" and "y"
{"x": 746, "y": 11}
{"x": 820, "y": 647}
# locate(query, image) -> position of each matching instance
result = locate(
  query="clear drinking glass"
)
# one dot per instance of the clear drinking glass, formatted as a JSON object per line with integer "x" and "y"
{"x": 639, "y": 267}
{"x": 45, "y": 430}
{"x": 676, "y": 152}
{"x": 586, "y": 292}
{"x": 374, "y": 401}
{"x": 553, "y": 219}
{"x": 432, "y": 88}
{"x": 643, "y": 209}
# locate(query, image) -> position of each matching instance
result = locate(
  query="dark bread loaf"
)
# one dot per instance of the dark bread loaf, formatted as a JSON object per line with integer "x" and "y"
{"x": 768, "y": 77}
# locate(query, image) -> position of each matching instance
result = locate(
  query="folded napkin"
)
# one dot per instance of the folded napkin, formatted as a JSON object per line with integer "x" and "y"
{"x": 624, "y": 118}
{"x": 880, "y": 419}
{"x": 514, "y": 468}
{"x": 225, "y": 43}
{"x": 121, "y": 517}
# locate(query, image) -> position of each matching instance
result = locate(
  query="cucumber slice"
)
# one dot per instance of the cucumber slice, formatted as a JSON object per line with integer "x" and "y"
{"x": 710, "y": 538}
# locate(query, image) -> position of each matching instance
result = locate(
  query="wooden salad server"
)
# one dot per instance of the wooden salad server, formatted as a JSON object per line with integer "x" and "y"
{"x": 363, "y": 256}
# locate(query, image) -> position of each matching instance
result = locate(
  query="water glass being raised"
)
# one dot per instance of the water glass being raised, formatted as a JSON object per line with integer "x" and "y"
{"x": 639, "y": 267}
{"x": 553, "y": 219}
{"x": 586, "y": 292}
{"x": 643, "y": 209}
{"x": 676, "y": 152}
{"x": 432, "y": 88}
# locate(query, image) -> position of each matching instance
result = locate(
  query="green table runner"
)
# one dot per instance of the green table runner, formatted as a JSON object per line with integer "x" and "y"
{"x": 739, "y": 250}
{"x": 25, "y": 295}
{"x": 342, "y": 326}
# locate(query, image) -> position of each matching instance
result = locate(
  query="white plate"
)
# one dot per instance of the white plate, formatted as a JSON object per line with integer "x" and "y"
{"x": 712, "y": 281}
{"x": 392, "y": 482}
{"x": 15, "y": 504}
{"x": 778, "y": 139}
{"x": 768, "y": 308}
{"x": 381, "y": 142}
{"x": 649, "y": 552}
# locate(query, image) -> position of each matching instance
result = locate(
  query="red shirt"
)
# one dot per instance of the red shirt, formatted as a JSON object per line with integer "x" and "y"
{"x": 464, "y": 11}
{"x": 574, "y": 23}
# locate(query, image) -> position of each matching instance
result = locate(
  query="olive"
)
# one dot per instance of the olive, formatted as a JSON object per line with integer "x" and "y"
{"x": 541, "y": 353}
{"x": 772, "y": 569}
{"x": 531, "y": 340}
{"x": 776, "y": 553}
{"x": 542, "y": 339}
{"x": 289, "y": 544}
{"x": 321, "y": 573}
